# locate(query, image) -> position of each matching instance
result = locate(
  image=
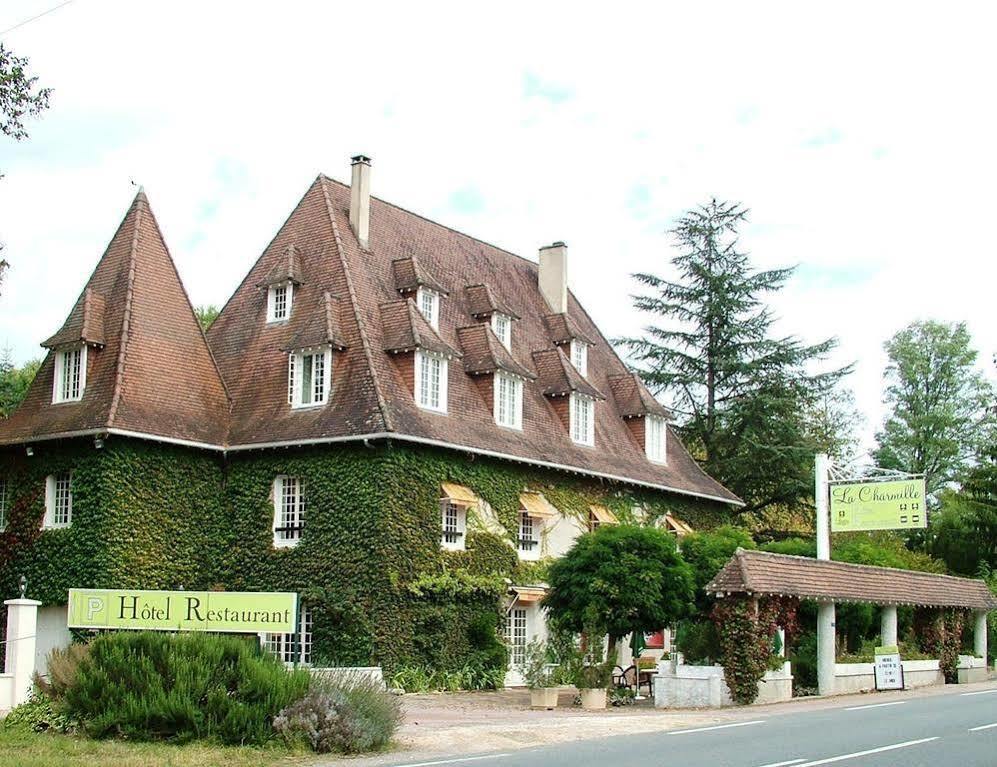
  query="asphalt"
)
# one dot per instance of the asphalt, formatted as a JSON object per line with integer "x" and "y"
{"x": 956, "y": 728}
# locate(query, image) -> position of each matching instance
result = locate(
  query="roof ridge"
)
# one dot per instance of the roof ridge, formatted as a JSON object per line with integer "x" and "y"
{"x": 361, "y": 330}
{"x": 119, "y": 376}
{"x": 776, "y": 554}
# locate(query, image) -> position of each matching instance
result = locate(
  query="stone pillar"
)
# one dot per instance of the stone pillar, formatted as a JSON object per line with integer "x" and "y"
{"x": 980, "y": 635}
{"x": 888, "y": 626}
{"x": 22, "y": 621}
{"x": 782, "y": 641}
{"x": 825, "y": 648}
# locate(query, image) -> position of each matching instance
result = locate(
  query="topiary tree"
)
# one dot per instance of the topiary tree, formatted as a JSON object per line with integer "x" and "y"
{"x": 617, "y": 579}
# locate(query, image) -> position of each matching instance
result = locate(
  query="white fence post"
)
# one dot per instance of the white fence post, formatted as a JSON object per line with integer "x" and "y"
{"x": 22, "y": 623}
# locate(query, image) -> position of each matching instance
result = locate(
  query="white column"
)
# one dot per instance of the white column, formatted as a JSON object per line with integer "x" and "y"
{"x": 782, "y": 641}
{"x": 22, "y": 621}
{"x": 888, "y": 626}
{"x": 821, "y": 466}
{"x": 980, "y": 635}
{"x": 825, "y": 648}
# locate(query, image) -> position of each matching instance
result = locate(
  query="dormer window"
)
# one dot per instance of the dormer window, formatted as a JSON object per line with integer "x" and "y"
{"x": 279, "y": 299}
{"x": 582, "y": 415}
{"x": 428, "y": 302}
{"x": 502, "y": 325}
{"x": 70, "y": 378}
{"x": 655, "y": 432}
{"x": 431, "y": 372}
{"x": 308, "y": 376}
{"x": 508, "y": 401}
{"x": 580, "y": 356}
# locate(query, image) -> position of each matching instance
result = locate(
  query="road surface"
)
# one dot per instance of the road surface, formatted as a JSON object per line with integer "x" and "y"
{"x": 958, "y": 729}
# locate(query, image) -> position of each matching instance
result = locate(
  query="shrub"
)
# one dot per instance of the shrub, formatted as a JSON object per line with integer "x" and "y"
{"x": 348, "y": 716}
{"x": 156, "y": 686}
{"x": 38, "y": 714}
{"x": 536, "y": 667}
{"x": 63, "y": 666}
{"x": 472, "y": 676}
{"x": 698, "y": 642}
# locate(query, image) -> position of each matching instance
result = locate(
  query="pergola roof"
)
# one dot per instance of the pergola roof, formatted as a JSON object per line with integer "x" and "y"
{"x": 764, "y": 574}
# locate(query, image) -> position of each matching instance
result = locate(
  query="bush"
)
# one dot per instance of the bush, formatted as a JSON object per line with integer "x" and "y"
{"x": 63, "y": 665}
{"x": 38, "y": 714}
{"x": 537, "y": 665}
{"x": 698, "y": 642}
{"x": 469, "y": 677}
{"x": 156, "y": 686}
{"x": 348, "y": 716}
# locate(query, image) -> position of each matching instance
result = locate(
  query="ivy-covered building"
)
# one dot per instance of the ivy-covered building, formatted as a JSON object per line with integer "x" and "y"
{"x": 395, "y": 420}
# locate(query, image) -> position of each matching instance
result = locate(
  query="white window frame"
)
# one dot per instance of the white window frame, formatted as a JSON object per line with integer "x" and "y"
{"x": 508, "y": 400}
{"x": 428, "y": 302}
{"x": 517, "y": 635}
{"x": 284, "y": 647}
{"x": 69, "y": 381}
{"x": 528, "y": 536}
{"x": 656, "y": 439}
{"x": 274, "y": 306}
{"x": 425, "y": 389}
{"x": 502, "y": 327}
{"x": 580, "y": 356}
{"x": 288, "y": 511}
{"x": 296, "y": 367}
{"x": 58, "y": 501}
{"x": 453, "y": 525}
{"x": 581, "y": 411}
{"x": 3, "y": 503}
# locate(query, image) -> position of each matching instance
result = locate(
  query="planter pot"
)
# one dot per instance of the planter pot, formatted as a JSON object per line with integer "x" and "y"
{"x": 545, "y": 697}
{"x": 593, "y": 700}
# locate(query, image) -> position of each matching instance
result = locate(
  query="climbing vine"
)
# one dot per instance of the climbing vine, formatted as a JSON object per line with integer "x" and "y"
{"x": 939, "y": 633}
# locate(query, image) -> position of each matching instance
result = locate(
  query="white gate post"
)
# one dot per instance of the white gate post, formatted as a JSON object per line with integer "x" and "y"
{"x": 980, "y": 636}
{"x": 888, "y": 626}
{"x": 22, "y": 622}
{"x": 825, "y": 648}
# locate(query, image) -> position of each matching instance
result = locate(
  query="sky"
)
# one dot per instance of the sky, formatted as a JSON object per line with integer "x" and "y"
{"x": 859, "y": 135}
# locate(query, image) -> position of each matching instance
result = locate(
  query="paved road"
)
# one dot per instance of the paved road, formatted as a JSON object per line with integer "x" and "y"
{"x": 952, "y": 729}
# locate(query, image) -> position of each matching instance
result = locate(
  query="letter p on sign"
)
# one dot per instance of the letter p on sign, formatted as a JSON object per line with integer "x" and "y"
{"x": 94, "y": 606}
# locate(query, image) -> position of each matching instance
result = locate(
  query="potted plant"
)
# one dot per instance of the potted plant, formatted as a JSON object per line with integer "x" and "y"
{"x": 593, "y": 674}
{"x": 538, "y": 673}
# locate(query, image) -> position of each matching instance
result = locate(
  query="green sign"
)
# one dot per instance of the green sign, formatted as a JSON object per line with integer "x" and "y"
{"x": 246, "y": 612}
{"x": 890, "y": 649}
{"x": 893, "y": 505}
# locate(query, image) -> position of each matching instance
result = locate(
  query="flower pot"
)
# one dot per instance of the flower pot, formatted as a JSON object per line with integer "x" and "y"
{"x": 593, "y": 700}
{"x": 544, "y": 697}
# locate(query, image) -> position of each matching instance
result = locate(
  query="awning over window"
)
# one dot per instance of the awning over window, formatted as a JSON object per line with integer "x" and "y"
{"x": 458, "y": 494}
{"x": 536, "y": 505}
{"x": 677, "y": 526}
{"x": 528, "y": 594}
{"x": 602, "y": 515}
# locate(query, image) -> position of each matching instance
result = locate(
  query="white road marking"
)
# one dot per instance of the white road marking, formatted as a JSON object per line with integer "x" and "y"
{"x": 783, "y": 764}
{"x": 454, "y": 761}
{"x": 983, "y": 727}
{"x": 876, "y": 705}
{"x": 978, "y": 692}
{"x": 857, "y": 754}
{"x": 717, "y": 727}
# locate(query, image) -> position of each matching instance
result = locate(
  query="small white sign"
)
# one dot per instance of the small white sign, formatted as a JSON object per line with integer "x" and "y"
{"x": 889, "y": 670}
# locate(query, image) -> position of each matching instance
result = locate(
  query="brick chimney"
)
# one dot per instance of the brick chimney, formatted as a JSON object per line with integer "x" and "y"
{"x": 360, "y": 199}
{"x": 553, "y": 276}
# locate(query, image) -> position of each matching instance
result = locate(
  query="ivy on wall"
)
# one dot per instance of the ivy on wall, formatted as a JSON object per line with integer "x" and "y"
{"x": 369, "y": 564}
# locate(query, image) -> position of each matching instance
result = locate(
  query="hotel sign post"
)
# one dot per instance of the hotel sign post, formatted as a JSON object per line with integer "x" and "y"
{"x": 247, "y": 612}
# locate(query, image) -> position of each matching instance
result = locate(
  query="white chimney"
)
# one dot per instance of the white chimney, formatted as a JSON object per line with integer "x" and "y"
{"x": 360, "y": 199}
{"x": 553, "y": 276}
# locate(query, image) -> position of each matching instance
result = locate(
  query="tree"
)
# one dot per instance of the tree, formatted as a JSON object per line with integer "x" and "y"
{"x": 618, "y": 579}
{"x": 19, "y": 98}
{"x": 706, "y": 553}
{"x": 742, "y": 394}
{"x": 206, "y": 315}
{"x": 939, "y": 404}
{"x": 14, "y": 382}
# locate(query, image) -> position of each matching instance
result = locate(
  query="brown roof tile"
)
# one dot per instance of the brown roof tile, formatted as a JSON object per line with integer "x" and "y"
{"x": 632, "y": 397}
{"x": 405, "y": 329}
{"x": 481, "y": 302}
{"x": 410, "y": 276}
{"x": 287, "y": 269}
{"x": 85, "y": 323}
{"x": 322, "y": 328}
{"x": 562, "y": 329}
{"x": 558, "y": 376}
{"x": 485, "y": 353}
{"x": 759, "y": 572}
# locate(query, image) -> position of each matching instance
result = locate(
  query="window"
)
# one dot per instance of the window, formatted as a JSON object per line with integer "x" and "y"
{"x": 279, "y": 302}
{"x": 308, "y": 376}
{"x": 428, "y": 302}
{"x": 3, "y": 505}
{"x": 502, "y": 325}
{"x": 580, "y": 356}
{"x": 288, "y": 511}
{"x": 582, "y": 411}
{"x": 508, "y": 401}
{"x": 58, "y": 500}
{"x": 528, "y": 540}
{"x": 70, "y": 375}
{"x": 289, "y": 648}
{"x": 431, "y": 381}
{"x": 515, "y": 635}
{"x": 454, "y": 525}
{"x": 654, "y": 438}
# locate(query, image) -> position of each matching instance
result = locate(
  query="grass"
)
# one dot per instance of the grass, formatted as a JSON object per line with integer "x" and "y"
{"x": 19, "y": 748}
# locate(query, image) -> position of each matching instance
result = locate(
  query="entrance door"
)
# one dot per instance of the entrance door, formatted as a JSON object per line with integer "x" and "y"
{"x": 516, "y": 636}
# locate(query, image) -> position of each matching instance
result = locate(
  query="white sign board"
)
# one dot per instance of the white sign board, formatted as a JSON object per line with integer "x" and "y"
{"x": 889, "y": 671}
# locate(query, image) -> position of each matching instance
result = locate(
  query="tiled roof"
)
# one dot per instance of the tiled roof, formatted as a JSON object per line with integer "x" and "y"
{"x": 559, "y": 377}
{"x": 405, "y": 329}
{"x": 632, "y": 397}
{"x": 562, "y": 328}
{"x": 485, "y": 353}
{"x": 758, "y": 572}
{"x": 410, "y": 276}
{"x": 322, "y": 328}
{"x": 287, "y": 269}
{"x": 154, "y": 373}
{"x": 481, "y": 302}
